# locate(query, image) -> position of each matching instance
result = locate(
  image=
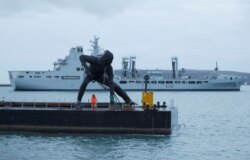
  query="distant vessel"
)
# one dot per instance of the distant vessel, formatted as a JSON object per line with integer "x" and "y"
{"x": 68, "y": 75}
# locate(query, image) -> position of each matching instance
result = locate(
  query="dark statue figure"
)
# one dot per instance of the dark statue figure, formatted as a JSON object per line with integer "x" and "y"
{"x": 101, "y": 71}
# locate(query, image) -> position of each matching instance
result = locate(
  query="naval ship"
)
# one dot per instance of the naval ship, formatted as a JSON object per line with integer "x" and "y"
{"x": 68, "y": 74}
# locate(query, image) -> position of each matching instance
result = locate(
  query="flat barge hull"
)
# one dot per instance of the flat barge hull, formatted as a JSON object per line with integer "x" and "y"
{"x": 104, "y": 121}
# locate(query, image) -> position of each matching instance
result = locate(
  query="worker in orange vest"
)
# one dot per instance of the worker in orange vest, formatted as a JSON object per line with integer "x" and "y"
{"x": 93, "y": 102}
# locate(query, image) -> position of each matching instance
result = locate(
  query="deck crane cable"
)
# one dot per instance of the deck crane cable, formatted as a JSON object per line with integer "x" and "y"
{"x": 116, "y": 99}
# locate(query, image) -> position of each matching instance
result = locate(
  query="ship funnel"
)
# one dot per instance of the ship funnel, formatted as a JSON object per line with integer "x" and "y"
{"x": 175, "y": 67}
{"x": 128, "y": 67}
{"x": 216, "y": 67}
{"x": 132, "y": 66}
{"x": 125, "y": 62}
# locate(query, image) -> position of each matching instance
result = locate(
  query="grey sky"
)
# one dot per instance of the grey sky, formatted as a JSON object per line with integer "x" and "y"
{"x": 34, "y": 33}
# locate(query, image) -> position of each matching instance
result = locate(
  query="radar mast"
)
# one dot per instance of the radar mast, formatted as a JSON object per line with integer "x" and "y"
{"x": 96, "y": 50}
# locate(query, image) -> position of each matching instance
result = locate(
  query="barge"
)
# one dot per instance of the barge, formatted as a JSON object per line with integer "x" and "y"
{"x": 52, "y": 117}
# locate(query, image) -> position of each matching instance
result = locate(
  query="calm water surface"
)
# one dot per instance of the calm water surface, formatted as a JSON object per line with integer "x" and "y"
{"x": 212, "y": 125}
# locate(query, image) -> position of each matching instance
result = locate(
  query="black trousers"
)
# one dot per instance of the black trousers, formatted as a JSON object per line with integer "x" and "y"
{"x": 105, "y": 81}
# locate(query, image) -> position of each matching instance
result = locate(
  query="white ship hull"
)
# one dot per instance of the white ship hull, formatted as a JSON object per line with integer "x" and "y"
{"x": 23, "y": 80}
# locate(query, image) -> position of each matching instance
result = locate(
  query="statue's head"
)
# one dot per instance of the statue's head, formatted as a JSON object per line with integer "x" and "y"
{"x": 107, "y": 58}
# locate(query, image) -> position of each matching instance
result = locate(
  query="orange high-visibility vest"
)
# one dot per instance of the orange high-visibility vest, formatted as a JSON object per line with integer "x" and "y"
{"x": 93, "y": 100}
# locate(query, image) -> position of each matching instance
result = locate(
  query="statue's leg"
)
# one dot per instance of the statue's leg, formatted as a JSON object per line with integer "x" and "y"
{"x": 117, "y": 89}
{"x": 84, "y": 84}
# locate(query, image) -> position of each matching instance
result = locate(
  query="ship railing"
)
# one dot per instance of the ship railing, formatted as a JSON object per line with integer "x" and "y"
{"x": 85, "y": 106}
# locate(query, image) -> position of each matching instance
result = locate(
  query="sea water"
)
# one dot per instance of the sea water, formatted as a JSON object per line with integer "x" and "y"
{"x": 212, "y": 125}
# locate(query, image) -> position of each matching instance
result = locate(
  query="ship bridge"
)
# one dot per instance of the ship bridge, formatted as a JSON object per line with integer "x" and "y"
{"x": 70, "y": 62}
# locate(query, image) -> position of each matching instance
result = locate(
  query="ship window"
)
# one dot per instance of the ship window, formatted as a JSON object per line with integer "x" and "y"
{"x": 79, "y": 50}
{"x": 78, "y": 69}
{"x": 82, "y": 69}
{"x": 131, "y": 81}
{"x": 199, "y": 82}
{"x": 169, "y": 82}
{"x": 138, "y": 82}
{"x": 37, "y": 72}
{"x": 70, "y": 77}
{"x": 27, "y": 72}
{"x": 56, "y": 76}
{"x": 123, "y": 82}
{"x": 177, "y": 82}
{"x": 48, "y": 76}
{"x": 231, "y": 78}
{"x": 205, "y": 81}
{"x": 147, "y": 82}
{"x": 191, "y": 82}
{"x": 37, "y": 76}
{"x": 161, "y": 82}
{"x": 183, "y": 82}
{"x": 153, "y": 82}
{"x": 20, "y": 76}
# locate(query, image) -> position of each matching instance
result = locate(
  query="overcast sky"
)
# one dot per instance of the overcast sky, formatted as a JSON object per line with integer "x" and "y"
{"x": 35, "y": 33}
